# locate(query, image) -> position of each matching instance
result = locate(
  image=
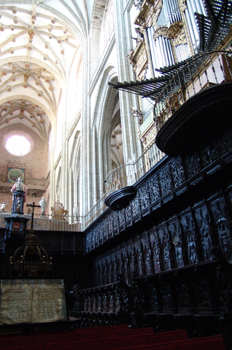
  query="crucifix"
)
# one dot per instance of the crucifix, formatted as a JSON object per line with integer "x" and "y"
{"x": 33, "y": 206}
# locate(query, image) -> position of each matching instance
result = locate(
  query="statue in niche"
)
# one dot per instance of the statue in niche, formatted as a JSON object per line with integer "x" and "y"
{"x": 147, "y": 258}
{"x": 224, "y": 237}
{"x": 177, "y": 241}
{"x": 179, "y": 253}
{"x": 206, "y": 240}
{"x": 192, "y": 249}
{"x": 156, "y": 256}
{"x": 140, "y": 36}
{"x": 166, "y": 255}
{"x": 189, "y": 229}
{"x": 157, "y": 260}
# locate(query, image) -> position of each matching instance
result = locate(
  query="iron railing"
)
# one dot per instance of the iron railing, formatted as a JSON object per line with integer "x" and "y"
{"x": 128, "y": 174}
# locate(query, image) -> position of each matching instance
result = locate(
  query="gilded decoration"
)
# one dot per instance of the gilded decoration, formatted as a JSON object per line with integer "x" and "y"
{"x": 162, "y": 31}
{"x": 141, "y": 62}
{"x": 175, "y": 32}
{"x": 58, "y": 211}
{"x": 138, "y": 58}
{"x": 175, "y": 29}
{"x": 148, "y": 137}
{"x": 149, "y": 13}
{"x": 180, "y": 39}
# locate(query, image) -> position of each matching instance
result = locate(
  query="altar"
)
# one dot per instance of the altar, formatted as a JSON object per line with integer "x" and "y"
{"x": 29, "y": 291}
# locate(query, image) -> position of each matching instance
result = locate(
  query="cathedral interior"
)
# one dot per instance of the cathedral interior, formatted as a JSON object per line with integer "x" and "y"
{"x": 116, "y": 156}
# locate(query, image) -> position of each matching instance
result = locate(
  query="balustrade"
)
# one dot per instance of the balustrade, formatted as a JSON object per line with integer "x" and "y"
{"x": 109, "y": 298}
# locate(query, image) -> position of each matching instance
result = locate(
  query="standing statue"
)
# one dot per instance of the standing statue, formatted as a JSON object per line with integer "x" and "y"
{"x": 42, "y": 204}
{"x": 140, "y": 36}
{"x": 192, "y": 250}
{"x": 19, "y": 185}
{"x": 225, "y": 240}
{"x": 3, "y": 206}
{"x": 136, "y": 113}
{"x": 129, "y": 55}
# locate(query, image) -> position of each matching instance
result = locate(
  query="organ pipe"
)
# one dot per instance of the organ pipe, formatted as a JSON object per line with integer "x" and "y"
{"x": 193, "y": 6}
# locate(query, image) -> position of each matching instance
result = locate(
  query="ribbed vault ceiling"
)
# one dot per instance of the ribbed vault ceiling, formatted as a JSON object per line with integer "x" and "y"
{"x": 39, "y": 40}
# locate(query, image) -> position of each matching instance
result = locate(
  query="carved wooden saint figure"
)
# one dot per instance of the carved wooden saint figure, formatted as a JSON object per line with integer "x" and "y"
{"x": 192, "y": 252}
{"x": 224, "y": 237}
{"x": 206, "y": 240}
{"x": 157, "y": 258}
{"x": 177, "y": 241}
{"x": 166, "y": 256}
{"x": 179, "y": 254}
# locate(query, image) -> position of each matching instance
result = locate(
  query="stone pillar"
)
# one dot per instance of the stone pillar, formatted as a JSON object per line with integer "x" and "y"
{"x": 123, "y": 33}
{"x": 86, "y": 153}
{"x": 51, "y": 165}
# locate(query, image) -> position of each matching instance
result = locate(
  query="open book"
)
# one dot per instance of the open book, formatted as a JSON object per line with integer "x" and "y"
{"x": 32, "y": 301}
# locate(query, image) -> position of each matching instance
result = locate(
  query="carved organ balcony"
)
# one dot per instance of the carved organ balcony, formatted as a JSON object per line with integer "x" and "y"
{"x": 191, "y": 93}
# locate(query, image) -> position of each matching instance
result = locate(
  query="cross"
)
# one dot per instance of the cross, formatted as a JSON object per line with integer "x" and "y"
{"x": 32, "y": 216}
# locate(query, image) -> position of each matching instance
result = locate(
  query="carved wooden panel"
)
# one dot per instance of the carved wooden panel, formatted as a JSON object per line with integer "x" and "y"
{"x": 205, "y": 230}
{"x": 189, "y": 232}
{"x": 177, "y": 243}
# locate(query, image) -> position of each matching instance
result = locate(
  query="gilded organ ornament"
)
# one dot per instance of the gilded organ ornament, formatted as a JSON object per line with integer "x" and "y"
{"x": 140, "y": 61}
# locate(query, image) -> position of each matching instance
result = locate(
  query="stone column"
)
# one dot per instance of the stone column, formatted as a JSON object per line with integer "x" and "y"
{"x": 123, "y": 33}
